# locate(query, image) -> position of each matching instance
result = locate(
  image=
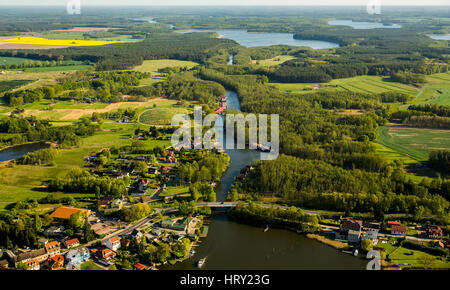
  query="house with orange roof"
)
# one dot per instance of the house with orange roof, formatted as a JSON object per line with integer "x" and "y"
{"x": 107, "y": 254}
{"x": 72, "y": 243}
{"x": 113, "y": 243}
{"x": 33, "y": 264}
{"x": 53, "y": 248}
{"x": 139, "y": 266}
{"x": 65, "y": 212}
{"x": 54, "y": 263}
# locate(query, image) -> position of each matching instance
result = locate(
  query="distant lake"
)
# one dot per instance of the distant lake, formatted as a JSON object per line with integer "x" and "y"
{"x": 362, "y": 25}
{"x": 148, "y": 19}
{"x": 440, "y": 36}
{"x": 251, "y": 39}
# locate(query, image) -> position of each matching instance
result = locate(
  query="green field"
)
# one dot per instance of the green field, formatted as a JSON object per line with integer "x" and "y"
{"x": 359, "y": 84}
{"x": 153, "y": 66}
{"x": 415, "y": 143}
{"x": 160, "y": 116}
{"x": 8, "y": 85}
{"x": 7, "y": 60}
{"x": 273, "y": 61}
{"x": 58, "y": 68}
{"x": 80, "y": 35}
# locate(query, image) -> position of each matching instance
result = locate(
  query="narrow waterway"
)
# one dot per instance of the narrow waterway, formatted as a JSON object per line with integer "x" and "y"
{"x": 234, "y": 246}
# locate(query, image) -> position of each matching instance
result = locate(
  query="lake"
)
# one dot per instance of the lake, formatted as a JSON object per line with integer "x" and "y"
{"x": 18, "y": 151}
{"x": 362, "y": 25}
{"x": 440, "y": 36}
{"x": 252, "y": 39}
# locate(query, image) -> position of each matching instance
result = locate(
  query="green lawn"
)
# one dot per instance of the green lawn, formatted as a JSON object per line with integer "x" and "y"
{"x": 415, "y": 143}
{"x": 90, "y": 265}
{"x": 174, "y": 190}
{"x": 407, "y": 258}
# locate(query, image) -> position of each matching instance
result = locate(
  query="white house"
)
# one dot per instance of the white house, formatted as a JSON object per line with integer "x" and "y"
{"x": 113, "y": 244}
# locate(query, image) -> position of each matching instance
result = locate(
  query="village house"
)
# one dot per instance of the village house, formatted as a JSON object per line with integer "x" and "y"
{"x": 54, "y": 231}
{"x": 65, "y": 212}
{"x": 54, "y": 263}
{"x": 53, "y": 248}
{"x": 392, "y": 223}
{"x": 78, "y": 256}
{"x": 106, "y": 200}
{"x": 113, "y": 243}
{"x": 42, "y": 241}
{"x": 31, "y": 258}
{"x": 139, "y": 266}
{"x": 33, "y": 265}
{"x": 72, "y": 243}
{"x": 398, "y": 230}
{"x": 136, "y": 234}
{"x": 125, "y": 242}
{"x": 4, "y": 264}
{"x": 439, "y": 245}
{"x": 433, "y": 232}
{"x": 107, "y": 254}
{"x": 353, "y": 236}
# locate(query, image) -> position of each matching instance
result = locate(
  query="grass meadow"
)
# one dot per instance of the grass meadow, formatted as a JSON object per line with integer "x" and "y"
{"x": 415, "y": 143}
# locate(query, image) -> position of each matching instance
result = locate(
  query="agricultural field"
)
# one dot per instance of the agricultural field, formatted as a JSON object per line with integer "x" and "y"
{"x": 160, "y": 116}
{"x": 84, "y": 35}
{"x": 359, "y": 84}
{"x": 153, "y": 66}
{"x": 8, "y": 85}
{"x": 39, "y": 41}
{"x": 273, "y": 61}
{"x": 415, "y": 143}
{"x": 70, "y": 110}
{"x": 436, "y": 91}
{"x": 58, "y": 68}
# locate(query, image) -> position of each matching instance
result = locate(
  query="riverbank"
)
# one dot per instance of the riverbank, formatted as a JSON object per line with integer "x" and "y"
{"x": 332, "y": 243}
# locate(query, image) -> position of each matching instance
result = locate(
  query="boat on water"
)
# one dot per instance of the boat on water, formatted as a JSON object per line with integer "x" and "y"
{"x": 266, "y": 229}
{"x": 201, "y": 262}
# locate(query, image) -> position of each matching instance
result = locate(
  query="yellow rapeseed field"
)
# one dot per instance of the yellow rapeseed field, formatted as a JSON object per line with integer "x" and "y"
{"x": 57, "y": 42}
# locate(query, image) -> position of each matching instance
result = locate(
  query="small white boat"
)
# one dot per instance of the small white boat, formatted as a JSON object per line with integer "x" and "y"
{"x": 201, "y": 262}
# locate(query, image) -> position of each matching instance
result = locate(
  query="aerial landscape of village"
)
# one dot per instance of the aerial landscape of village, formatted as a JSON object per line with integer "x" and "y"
{"x": 355, "y": 174}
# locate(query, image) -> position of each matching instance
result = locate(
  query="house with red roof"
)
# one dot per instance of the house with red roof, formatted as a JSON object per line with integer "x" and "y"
{"x": 139, "y": 266}
{"x": 398, "y": 230}
{"x": 72, "y": 243}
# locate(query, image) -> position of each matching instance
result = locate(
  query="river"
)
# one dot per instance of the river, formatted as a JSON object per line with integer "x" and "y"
{"x": 18, "y": 151}
{"x": 235, "y": 246}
